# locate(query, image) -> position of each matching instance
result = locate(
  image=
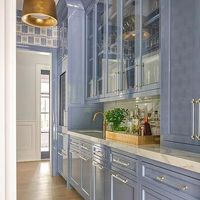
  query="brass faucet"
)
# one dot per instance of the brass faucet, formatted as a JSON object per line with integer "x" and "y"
{"x": 97, "y": 113}
{"x": 104, "y": 122}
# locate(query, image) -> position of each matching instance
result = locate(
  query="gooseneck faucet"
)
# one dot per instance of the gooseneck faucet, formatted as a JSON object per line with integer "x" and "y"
{"x": 104, "y": 122}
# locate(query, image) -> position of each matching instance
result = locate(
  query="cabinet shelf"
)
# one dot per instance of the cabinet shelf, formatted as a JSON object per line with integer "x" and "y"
{"x": 152, "y": 19}
{"x": 113, "y": 15}
{"x": 90, "y": 59}
{"x": 90, "y": 36}
{"x": 100, "y": 27}
{"x": 101, "y": 52}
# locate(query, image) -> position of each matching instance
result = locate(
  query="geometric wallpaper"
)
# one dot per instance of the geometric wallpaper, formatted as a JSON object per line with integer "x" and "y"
{"x": 29, "y": 35}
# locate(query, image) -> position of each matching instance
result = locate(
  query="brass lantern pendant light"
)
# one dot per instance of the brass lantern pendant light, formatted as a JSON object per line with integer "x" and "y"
{"x": 39, "y": 13}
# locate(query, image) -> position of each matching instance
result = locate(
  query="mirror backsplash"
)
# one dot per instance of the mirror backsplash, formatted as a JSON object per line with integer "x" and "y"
{"x": 142, "y": 107}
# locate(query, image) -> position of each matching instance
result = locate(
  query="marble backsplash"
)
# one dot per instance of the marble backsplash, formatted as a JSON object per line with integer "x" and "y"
{"x": 147, "y": 106}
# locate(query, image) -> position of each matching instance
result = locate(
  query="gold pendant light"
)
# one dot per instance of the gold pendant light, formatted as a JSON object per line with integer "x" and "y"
{"x": 39, "y": 13}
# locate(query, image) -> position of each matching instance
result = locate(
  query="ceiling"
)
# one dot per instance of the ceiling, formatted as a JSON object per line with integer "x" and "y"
{"x": 20, "y": 4}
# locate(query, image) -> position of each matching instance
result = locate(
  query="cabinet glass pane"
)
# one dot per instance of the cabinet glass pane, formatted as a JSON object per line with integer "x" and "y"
{"x": 150, "y": 42}
{"x": 128, "y": 38}
{"x": 101, "y": 56}
{"x": 90, "y": 44}
{"x": 113, "y": 36}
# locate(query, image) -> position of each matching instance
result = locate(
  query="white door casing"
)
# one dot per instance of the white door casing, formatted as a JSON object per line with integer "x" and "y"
{"x": 8, "y": 100}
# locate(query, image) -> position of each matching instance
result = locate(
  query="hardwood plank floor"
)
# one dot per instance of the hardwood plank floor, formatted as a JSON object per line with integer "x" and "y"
{"x": 34, "y": 182}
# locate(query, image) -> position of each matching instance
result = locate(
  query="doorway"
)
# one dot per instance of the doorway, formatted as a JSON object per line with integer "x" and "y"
{"x": 45, "y": 114}
{"x": 33, "y": 105}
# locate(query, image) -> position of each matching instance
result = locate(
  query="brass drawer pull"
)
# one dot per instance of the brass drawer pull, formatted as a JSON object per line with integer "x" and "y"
{"x": 96, "y": 165}
{"x": 74, "y": 143}
{"x": 120, "y": 162}
{"x": 160, "y": 178}
{"x": 84, "y": 147}
{"x": 183, "y": 187}
{"x": 120, "y": 179}
{"x": 85, "y": 159}
{"x": 98, "y": 152}
{"x": 60, "y": 154}
{"x": 60, "y": 134}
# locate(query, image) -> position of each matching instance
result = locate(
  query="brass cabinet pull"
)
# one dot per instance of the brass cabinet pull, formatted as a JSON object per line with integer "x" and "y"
{"x": 84, "y": 147}
{"x": 85, "y": 159}
{"x": 193, "y": 136}
{"x": 121, "y": 162}
{"x": 198, "y": 134}
{"x": 74, "y": 143}
{"x": 60, "y": 134}
{"x": 183, "y": 187}
{"x": 99, "y": 153}
{"x": 160, "y": 178}
{"x": 60, "y": 154}
{"x": 120, "y": 179}
{"x": 96, "y": 165}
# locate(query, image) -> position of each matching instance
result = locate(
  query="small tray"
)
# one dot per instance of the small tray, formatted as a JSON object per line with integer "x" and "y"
{"x": 133, "y": 139}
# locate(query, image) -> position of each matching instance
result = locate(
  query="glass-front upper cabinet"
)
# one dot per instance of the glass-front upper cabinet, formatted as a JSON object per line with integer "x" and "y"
{"x": 90, "y": 53}
{"x": 113, "y": 47}
{"x": 150, "y": 42}
{"x": 100, "y": 46}
{"x": 129, "y": 17}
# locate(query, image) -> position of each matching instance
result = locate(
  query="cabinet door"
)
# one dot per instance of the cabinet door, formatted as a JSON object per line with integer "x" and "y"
{"x": 60, "y": 141}
{"x": 128, "y": 37}
{"x": 122, "y": 188}
{"x": 60, "y": 163}
{"x": 75, "y": 168}
{"x": 148, "y": 194}
{"x": 114, "y": 29}
{"x": 150, "y": 44}
{"x": 100, "y": 46}
{"x": 101, "y": 182}
{"x": 180, "y": 71}
{"x": 90, "y": 52}
{"x": 65, "y": 166}
{"x": 86, "y": 175}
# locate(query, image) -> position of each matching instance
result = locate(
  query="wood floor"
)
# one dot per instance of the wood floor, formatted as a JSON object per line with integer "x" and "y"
{"x": 34, "y": 182}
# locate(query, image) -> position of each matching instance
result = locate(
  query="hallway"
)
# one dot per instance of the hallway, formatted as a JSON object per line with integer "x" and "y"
{"x": 34, "y": 182}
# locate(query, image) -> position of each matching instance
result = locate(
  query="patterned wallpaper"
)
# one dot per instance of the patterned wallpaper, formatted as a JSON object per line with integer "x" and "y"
{"x": 28, "y": 35}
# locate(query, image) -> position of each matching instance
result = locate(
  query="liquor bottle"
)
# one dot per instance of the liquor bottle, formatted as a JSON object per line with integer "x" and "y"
{"x": 147, "y": 127}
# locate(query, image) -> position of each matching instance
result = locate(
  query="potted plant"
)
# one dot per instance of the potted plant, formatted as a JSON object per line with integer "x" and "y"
{"x": 116, "y": 117}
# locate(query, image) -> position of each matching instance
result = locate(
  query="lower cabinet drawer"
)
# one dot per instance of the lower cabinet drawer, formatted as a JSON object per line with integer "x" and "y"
{"x": 149, "y": 194}
{"x": 100, "y": 152}
{"x": 179, "y": 184}
{"x": 125, "y": 163}
{"x": 74, "y": 143}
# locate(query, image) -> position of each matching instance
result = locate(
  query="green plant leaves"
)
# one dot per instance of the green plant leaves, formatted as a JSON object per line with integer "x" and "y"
{"x": 116, "y": 117}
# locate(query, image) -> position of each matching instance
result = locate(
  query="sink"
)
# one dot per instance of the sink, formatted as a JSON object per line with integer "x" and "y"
{"x": 93, "y": 133}
{"x": 89, "y": 131}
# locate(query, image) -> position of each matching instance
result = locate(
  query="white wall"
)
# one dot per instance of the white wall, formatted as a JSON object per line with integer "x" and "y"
{"x": 8, "y": 100}
{"x": 28, "y": 89}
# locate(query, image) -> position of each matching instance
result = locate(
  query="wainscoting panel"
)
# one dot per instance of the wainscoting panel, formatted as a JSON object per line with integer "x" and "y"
{"x": 27, "y": 141}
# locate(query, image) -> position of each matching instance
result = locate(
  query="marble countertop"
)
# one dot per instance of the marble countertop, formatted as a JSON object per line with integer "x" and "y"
{"x": 185, "y": 160}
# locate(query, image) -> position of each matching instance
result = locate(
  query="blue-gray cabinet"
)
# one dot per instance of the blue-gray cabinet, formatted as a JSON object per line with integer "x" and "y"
{"x": 170, "y": 180}
{"x": 80, "y": 167}
{"x": 101, "y": 181}
{"x": 122, "y": 49}
{"x": 180, "y": 73}
{"x": 75, "y": 167}
{"x": 60, "y": 163}
{"x": 99, "y": 172}
{"x": 86, "y": 175}
{"x": 62, "y": 155}
{"x": 123, "y": 187}
{"x": 148, "y": 194}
